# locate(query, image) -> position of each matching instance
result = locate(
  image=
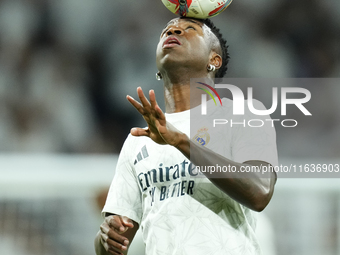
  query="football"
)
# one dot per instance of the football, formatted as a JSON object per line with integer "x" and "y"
{"x": 199, "y": 9}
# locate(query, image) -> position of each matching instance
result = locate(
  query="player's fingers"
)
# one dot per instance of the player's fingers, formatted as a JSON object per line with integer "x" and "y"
{"x": 117, "y": 245}
{"x": 136, "y": 104}
{"x": 153, "y": 100}
{"x": 140, "y": 132}
{"x": 160, "y": 114}
{"x": 143, "y": 99}
{"x": 110, "y": 243}
{"x": 104, "y": 227}
{"x": 109, "y": 248}
{"x": 114, "y": 240}
{"x": 114, "y": 222}
{"x": 103, "y": 241}
{"x": 127, "y": 222}
{"x": 155, "y": 107}
{"x": 114, "y": 252}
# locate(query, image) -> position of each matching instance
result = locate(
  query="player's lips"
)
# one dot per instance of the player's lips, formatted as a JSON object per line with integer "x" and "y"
{"x": 170, "y": 42}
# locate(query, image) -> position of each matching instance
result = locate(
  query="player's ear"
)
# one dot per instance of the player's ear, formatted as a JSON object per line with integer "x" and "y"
{"x": 215, "y": 59}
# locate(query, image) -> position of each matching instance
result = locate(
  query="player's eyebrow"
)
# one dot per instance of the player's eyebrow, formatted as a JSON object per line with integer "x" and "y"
{"x": 194, "y": 21}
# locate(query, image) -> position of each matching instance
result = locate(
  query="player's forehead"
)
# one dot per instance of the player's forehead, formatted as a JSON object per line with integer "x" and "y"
{"x": 183, "y": 20}
{"x": 180, "y": 20}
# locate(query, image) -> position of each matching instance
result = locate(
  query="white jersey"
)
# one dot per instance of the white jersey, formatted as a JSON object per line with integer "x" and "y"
{"x": 180, "y": 213}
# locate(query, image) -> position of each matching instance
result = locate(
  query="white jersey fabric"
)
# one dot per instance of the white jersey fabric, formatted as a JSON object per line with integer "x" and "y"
{"x": 179, "y": 211}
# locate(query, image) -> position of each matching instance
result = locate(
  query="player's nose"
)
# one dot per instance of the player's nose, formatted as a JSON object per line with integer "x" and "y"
{"x": 174, "y": 30}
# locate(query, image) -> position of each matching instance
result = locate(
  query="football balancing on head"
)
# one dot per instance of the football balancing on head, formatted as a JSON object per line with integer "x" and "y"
{"x": 191, "y": 48}
{"x": 200, "y": 9}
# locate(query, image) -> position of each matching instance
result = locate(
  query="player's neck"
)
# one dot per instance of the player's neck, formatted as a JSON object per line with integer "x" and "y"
{"x": 178, "y": 95}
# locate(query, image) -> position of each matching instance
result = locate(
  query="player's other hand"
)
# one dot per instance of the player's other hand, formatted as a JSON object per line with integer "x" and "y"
{"x": 111, "y": 230}
{"x": 159, "y": 130}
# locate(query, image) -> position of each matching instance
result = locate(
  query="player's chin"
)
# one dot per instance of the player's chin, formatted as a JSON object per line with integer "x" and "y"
{"x": 172, "y": 66}
{"x": 167, "y": 54}
{"x": 173, "y": 57}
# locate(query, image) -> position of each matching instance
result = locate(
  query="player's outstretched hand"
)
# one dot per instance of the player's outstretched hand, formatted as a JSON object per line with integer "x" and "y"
{"x": 159, "y": 130}
{"x": 111, "y": 230}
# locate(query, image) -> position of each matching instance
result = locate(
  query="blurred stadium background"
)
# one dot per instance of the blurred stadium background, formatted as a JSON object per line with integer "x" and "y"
{"x": 65, "y": 69}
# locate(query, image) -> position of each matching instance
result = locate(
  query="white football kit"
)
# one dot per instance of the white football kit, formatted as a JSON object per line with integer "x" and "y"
{"x": 180, "y": 211}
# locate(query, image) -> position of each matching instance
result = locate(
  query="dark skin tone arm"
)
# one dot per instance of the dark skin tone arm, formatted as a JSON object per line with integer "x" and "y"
{"x": 253, "y": 190}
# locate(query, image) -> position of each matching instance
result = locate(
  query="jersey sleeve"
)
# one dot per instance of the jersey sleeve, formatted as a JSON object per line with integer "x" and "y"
{"x": 251, "y": 141}
{"x": 124, "y": 197}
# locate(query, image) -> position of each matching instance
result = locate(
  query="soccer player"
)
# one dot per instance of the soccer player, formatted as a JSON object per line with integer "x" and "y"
{"x": 158, "y": 187}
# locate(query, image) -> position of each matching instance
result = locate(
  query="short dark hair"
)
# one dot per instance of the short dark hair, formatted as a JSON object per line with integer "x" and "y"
{"x": 225, "y": 55}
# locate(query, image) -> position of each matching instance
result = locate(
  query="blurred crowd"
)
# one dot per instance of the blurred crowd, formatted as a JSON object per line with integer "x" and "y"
{"x": 66, "y": 66}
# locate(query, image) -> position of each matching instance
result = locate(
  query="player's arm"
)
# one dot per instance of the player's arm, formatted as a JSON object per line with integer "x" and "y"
{"x": 115, "y": 235}
{"x": 253, "y": 190}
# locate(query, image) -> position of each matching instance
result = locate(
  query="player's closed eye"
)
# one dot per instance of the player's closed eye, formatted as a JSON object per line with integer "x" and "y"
{"x": 191, "y": 27}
